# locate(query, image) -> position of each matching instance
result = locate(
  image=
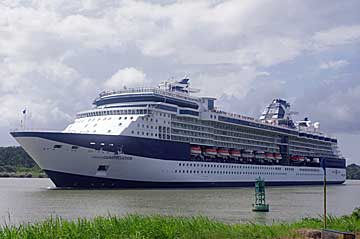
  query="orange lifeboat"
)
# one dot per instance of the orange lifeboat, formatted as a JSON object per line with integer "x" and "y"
{"x": 295, "y": 158}
{"x": 269, "y": 156}
{"x": 223, "y": 152}
{"x": 195, "y": 150}
{"x": 277, "y": 156}
{"x": 210, "y": 152}
{"x": 235, "y": 153}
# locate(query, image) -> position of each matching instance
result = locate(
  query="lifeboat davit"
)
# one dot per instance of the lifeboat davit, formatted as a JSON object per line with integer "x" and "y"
{"x": 223, "y": 152}
{"x": 235, "y": 153}
{"x": 211, "y": 152}
{"x": 195, "y": 150}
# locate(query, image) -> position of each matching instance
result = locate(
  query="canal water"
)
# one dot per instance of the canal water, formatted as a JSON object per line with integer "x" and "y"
{"x": 32, "y": 200}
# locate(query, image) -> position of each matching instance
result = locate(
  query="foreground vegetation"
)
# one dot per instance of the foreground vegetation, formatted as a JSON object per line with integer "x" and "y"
{"x": 136, "y": 226}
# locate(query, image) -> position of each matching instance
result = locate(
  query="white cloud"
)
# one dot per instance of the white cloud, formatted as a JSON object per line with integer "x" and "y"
{"x": 263, "y": 74}
{"x": 127, "y": 77}
{"x": 55, "y": 55}
{"x": 339, "y": 35}
{"x": 334, "y": 64}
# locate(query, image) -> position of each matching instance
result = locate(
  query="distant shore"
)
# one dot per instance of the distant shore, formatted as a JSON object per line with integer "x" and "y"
{"x": 22, "y": 175}
{"x": 156, "y": 226}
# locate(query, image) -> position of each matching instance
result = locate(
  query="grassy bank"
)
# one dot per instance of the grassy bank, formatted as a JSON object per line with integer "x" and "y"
{"x": 136, "y": 226}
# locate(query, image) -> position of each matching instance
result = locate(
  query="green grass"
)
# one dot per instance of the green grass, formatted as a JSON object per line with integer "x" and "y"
{"x": 136, "y": 226}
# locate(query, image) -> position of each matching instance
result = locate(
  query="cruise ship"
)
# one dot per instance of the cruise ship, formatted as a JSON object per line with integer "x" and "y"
{"x": 168, "y": 137}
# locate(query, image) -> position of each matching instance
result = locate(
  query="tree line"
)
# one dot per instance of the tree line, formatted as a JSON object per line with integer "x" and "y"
{"x": 12, "y": 158}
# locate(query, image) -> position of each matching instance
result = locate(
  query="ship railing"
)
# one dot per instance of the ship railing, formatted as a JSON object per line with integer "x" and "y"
{"x": 312, "y": 131}
{"x": 234, "y": 115}
{"x": 149, "y": 90}
{"x": 36, "y": 130}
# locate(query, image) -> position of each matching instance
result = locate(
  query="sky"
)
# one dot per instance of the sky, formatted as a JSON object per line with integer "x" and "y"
{"x": 57, "y": 56}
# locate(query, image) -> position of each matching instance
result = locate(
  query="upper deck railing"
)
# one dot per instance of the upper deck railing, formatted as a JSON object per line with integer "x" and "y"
{"x": 247, "y": 118}
{"x": 150, "y": 90}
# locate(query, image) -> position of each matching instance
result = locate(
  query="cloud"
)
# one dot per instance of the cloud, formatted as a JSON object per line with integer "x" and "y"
{"x": 127, "y": 77}
{"x": 334, "y": 105}
{"x": 339, "y": 35}
{"x": 55, "y": 55}
{"x": 334, "y": 64}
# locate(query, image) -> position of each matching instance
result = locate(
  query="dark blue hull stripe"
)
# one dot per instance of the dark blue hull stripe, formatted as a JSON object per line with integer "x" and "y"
{"x": 137, "y": 146}
{"x": 66, "y": 180}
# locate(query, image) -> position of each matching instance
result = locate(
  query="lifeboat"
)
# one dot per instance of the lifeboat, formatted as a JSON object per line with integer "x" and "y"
{"x": 297, "y": 158}
{"x": 248, "y": 154}
{"x": 235, "y": 153}
{"x": 277, "y": 156}
{"x": 210, "y": 152}
{"x": 195, "y": 150}
{"x": 269, "y": 156}
{"x": 259, "y": 155}
{"x": 223, "y": 152}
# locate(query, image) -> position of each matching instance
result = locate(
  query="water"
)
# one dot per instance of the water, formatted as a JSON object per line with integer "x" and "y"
{"x": 31, "y": 200}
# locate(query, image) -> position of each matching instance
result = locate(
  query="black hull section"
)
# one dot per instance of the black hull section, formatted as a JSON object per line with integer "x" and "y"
{"x": 66, "y": 180}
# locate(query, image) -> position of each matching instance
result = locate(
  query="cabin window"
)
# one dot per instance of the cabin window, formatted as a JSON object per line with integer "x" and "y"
{"x": 74, "y": 147}
{"x": 57, "y": 146}
{"x": 103, "y": 168}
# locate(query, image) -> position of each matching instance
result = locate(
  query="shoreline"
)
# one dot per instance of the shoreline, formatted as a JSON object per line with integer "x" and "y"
{"x": 22, "y": 175}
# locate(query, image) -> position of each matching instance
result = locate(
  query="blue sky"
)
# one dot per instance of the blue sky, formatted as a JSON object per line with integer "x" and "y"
{"x": 56, "y": 56}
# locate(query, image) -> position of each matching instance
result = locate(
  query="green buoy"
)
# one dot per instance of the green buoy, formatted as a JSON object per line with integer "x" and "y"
{"x": 260, "y": 205}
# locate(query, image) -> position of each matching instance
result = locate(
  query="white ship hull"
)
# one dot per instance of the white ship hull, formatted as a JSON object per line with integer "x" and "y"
{"x": 85, "y": 167}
